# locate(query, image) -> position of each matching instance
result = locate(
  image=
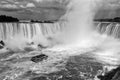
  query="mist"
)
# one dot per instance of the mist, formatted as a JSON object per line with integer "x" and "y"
{"x": 79, "y": 24}
{"x": 79, "y": 35}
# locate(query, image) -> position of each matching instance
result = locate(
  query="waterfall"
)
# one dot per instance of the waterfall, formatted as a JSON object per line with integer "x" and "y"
{"x": 28, "y": 30}
{"x": 17, "y": 35}
{"x": 109, "y": 28}
{"x": 98, "y": 27}
{"x": 116, "y": 31}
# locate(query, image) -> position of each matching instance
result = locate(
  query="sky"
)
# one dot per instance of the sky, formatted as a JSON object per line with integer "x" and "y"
{"x": 32, "y": 9}
{"x": 108, "y": 9}
{"x": 51, "y": 10}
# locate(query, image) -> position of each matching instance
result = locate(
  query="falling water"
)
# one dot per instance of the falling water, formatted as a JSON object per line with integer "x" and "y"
{"x": 28, "y": 32}
{"x": 109, "y": 28}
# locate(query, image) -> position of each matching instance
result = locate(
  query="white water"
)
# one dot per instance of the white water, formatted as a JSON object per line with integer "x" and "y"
{"x": 17, "y": 35}
{"x": 76, "y": 37}
{"x": 111, "y": 29}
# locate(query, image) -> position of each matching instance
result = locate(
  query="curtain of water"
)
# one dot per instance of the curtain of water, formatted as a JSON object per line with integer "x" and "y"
{"x": 111, "y": 29}
{"x": 28, "y": 30}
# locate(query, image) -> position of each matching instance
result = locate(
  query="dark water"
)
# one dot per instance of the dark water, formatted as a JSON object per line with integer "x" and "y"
{"x": 16, "y": 67}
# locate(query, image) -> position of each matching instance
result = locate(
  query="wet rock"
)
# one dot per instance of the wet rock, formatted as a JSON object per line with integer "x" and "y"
{"x": 39, "y": 58}
{"x": 112, "y": 75}
{"x": 2, "y": 44}
{"x": 30, "y": 47}
{"x": 41, "y": 46}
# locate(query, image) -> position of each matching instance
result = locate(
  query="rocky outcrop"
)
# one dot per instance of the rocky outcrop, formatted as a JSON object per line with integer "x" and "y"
{"x": 2, "y": 44}
{"x": 39, "y": 58}
{"x": 112, "y": 75}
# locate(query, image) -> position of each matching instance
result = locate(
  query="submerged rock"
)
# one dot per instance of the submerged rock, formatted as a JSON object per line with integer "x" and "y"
{"x": 28, "y": 49}
{"x": 39, "y": 58}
